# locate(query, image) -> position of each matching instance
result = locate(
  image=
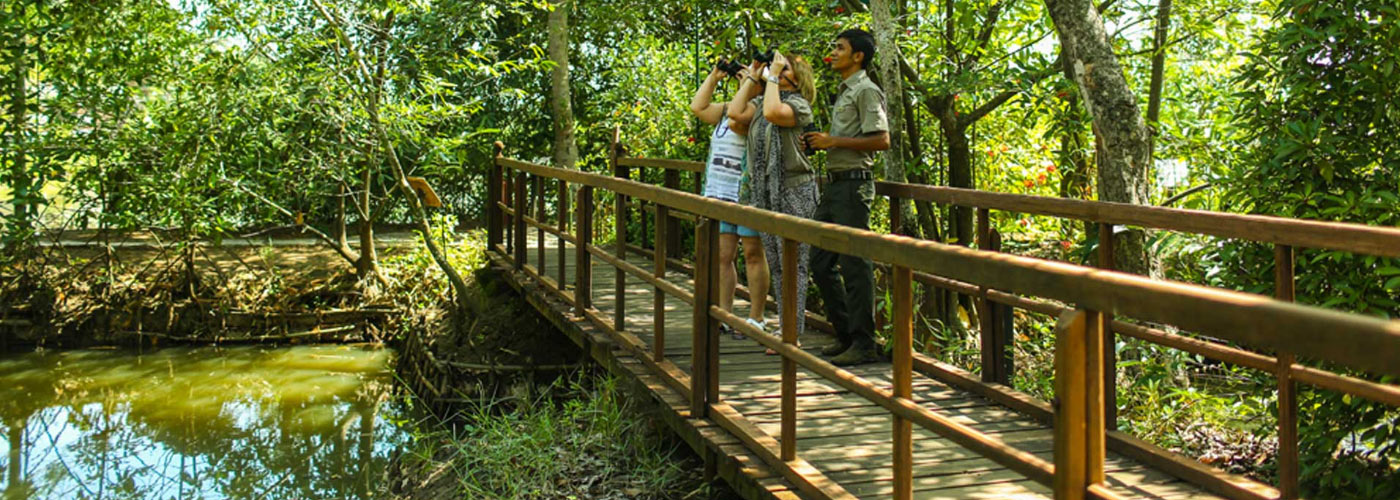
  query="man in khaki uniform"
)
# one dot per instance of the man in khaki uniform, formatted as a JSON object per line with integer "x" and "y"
{"x": 859, "y": 129}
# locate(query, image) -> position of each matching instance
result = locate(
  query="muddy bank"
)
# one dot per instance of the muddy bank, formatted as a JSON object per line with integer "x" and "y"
{"x": 137, "y": 292}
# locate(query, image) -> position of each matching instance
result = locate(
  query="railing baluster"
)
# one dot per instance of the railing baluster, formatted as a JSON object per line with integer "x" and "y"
{"x": 519, "y": 248}
{"x": 903, "y": 380}
{"x": 1287, "y": 389}
{"x": 508, "y": 199}
{"x": 494, "y": 192}
{"x": 583, "y": 266}
{"x": 1110, "y": 341}
{"x": 620, "y": 235}
{"x": 987, "y": 322}
{"x": 700, "y": 329}
{"x": 712, "y": 334}
{"x": 658, "y": 259}
{"x": 788, "y": 323}
{"x": 539, "y": 217}
{"x": 1003, "y": 329}
{"x": 1079, "y": 404}
{"x": 563, "y": 230}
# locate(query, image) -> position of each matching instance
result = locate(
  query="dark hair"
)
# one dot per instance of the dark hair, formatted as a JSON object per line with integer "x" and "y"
{"x": 861, "y": 41}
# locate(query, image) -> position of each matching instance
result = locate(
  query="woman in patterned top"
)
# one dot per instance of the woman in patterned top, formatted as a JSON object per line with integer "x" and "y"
{"x": 780, "y": 177}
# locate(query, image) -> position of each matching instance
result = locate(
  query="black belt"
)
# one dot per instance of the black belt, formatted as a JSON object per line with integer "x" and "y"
{"x": 850, "y": 175}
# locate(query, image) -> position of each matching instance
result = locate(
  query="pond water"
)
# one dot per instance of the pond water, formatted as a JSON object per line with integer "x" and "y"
{"x": 243, "y": 422}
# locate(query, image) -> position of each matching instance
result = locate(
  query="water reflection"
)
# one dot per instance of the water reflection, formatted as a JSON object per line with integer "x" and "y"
{"x": 249, "y": 422}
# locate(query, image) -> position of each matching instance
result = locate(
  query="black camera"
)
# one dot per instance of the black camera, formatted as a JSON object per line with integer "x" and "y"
{"x": 764, "y": 57}
{"x": 806, "y": 144}
{"x": 729, "y": 67}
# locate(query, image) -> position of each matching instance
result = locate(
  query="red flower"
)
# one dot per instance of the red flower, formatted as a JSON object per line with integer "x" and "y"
{"x": 827, "y": 59}
{"x": 1065, "y": 244}
{"x": 1062, "y": 94}
{"x": 1025, "y": 222}
{"x": 1029, "y": 184}
{"x": 690, "y": 139}
{"x": 1041, "y": 178}
{"x": 1050, "y": 168}
{"x": 955, "y": 97}
{"x": 840, "y": 10}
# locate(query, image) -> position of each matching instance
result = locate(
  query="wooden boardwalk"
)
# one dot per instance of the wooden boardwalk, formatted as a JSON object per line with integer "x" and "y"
{"x": 843, "y": 435}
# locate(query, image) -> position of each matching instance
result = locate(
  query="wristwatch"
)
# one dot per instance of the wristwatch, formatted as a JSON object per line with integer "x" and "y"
{"x": 773, "y": 79}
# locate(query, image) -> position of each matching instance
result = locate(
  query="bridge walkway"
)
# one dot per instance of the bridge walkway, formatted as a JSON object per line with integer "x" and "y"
{"x": 845, "y": 436}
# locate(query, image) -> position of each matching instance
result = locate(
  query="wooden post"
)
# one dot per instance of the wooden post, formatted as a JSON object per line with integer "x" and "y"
{"x": 620, "y": 235}
{"x": 700, "y": 320}
{"x": 494, "y": 192}
{"x": 658, "y": 261}
{"x": 563, "y": 188}
{"x": 1095, "y": 426}
{"x": 1110, "y": 341}
{"x": 788, "y": 323}
{"x": 509, "y": 200}
{"x": 1003, "y": 329}
{"x": 519, "y": 248}
{"x": 712, "y": 335}
{"x": 1287, "y": 389}
{"x": 1079, "y": 409}
{"x": 986, "y": 318}
{"x": 672, "y": 180}
{"x": 583, "y": 266}
{"x": 903, "y": 380}
{"x": 539, "y": 217}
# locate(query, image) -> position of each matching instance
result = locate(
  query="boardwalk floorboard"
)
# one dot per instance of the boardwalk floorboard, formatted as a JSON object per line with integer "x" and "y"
{"x": 845, "y": 436}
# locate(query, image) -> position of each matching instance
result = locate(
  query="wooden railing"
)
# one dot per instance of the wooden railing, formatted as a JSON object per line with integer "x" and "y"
{"x": 1082, "y": 377}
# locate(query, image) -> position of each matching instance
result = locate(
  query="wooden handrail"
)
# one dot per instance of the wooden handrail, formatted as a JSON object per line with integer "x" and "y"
{"x": 1361, "y": 342}
{"x": 1358, "y": 238}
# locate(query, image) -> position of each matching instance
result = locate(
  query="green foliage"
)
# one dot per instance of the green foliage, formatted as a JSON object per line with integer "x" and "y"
{"x": 1317, "y": 105}
{"x": 580, "y": 438}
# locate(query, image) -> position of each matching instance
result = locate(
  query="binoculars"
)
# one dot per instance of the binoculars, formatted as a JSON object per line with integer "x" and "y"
{"x": 729, "y": 67}
{"x": 764, "y": 57}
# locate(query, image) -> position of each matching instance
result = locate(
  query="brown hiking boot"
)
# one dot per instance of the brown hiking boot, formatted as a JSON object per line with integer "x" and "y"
{"x": 835, "y": 348}
{"x": 856, "y": 355}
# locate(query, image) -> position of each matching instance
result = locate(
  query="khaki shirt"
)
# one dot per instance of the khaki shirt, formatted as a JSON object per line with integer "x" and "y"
{"x": 859, "y": 111}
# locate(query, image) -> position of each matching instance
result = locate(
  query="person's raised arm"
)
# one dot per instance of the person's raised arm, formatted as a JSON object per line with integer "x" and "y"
{"x": 741, "y": 111}
{"x": 702, "y": 105}
{"x": 775, "y": 110}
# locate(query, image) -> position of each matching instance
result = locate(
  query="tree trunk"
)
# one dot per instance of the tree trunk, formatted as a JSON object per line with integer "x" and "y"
{"x": 560, "y": 98}
{"x": 1159, "y": 62}
{"x": 20, "y": 185}
{"x": 959, "y": 176}
{"x": 369, "y": 258}
{"x": 1126, "y": 149}
{"x": 887, "y": 67}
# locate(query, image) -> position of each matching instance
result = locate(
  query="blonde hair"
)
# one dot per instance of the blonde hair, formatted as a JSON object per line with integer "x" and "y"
{"x": 802, "y": 74}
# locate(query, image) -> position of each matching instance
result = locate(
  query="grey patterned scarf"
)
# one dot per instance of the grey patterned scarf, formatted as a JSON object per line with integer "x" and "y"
{"x": 766, "y": 162}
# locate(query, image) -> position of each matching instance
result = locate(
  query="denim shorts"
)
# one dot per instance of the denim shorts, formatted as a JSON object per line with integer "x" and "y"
{"x": 743, "y": 232}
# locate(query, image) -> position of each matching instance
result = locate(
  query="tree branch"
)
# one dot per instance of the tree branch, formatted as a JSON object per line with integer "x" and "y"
{"x": 987, "y": 107}
{"x": 985, "y": 36}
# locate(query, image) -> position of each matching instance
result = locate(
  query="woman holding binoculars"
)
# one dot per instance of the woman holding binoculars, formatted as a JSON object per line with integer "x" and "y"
{"x": 725, "y": 170}
{"x": 774, "y": 109}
